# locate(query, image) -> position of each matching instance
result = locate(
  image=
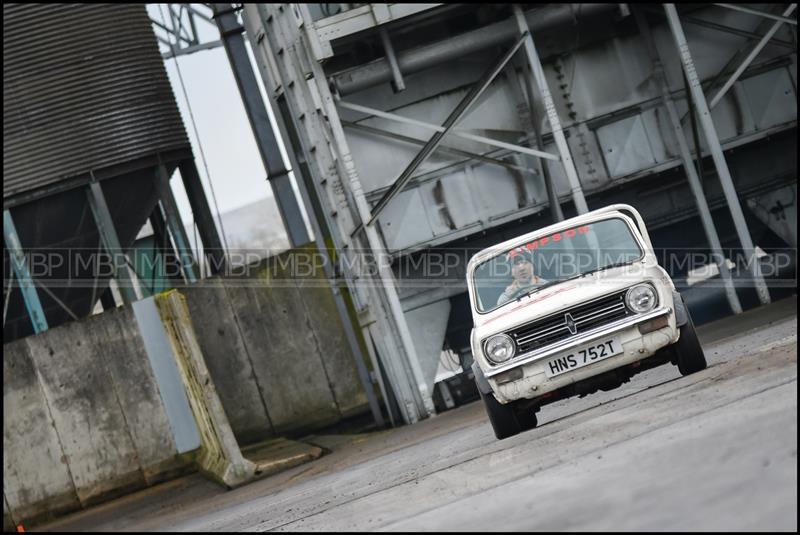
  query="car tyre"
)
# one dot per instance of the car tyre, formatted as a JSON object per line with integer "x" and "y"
{"x": 527, "y": 419}
{"x": 688, "y": 351}
{"x": 502, "y": 417}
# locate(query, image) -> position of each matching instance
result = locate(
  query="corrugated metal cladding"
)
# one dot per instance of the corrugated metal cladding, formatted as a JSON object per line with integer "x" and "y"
{"x": 84, "y": 88}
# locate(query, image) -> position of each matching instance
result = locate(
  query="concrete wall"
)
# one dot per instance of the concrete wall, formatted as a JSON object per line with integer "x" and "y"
{"x": 276, "y": 350}
{"x": 83, "y": 419}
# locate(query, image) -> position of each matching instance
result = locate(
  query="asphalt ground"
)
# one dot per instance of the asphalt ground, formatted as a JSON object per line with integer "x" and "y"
{"x": 716, "y": 450}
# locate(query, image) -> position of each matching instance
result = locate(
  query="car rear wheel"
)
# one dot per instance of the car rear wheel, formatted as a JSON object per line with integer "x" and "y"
{"x": 689, "y": 352}
{"x": 502, "y": 417}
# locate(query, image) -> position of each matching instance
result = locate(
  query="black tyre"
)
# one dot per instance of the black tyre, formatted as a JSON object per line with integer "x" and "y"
{"x": 688, "y": 351}
{"x": 527, "y": 419}
{"x": 502, "y": 417}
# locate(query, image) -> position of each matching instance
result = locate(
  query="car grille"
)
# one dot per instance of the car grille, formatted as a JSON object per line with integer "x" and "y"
{"x": 554, "y": 328}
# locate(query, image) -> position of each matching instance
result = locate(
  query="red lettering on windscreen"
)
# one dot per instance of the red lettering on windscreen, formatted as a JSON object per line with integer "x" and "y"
{"x": 553, "y": 238}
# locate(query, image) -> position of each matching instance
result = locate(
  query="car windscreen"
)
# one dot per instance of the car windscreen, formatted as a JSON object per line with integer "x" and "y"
{"x": 549, "y": 259}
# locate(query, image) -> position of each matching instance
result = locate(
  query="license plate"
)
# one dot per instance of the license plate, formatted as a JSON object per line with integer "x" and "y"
{"x": 583, "y": 356}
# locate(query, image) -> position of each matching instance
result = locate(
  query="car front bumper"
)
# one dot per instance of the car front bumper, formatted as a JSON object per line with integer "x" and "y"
{"x": 534, "y": 381}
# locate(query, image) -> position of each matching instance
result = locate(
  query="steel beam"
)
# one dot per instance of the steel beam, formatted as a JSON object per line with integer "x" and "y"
{"x": 442, "y": 148}
{"x": 164, "y": 245}
{"x": 365, "y": 17}
{"x": 175, "y": 52}
{"x": 110, "y": 240}
{"x": 749, "y": 59}
{"x": 437, "y": 128}
{"x": 556, "y": 213}
{"x": 23, "y": 275}
{"x": 213, "y": 250}
{"x": 688, "y": 165}
{"x": 200, "y": 14}
{"x": 743, "y": 9}
{"x": 716, "y": 151}
{"x": 175, "y": 224}
{"x": 460, "y": 46}
{"x": 733, "y": 31}
{"x": 397, "y": 77}
{"x": 278, "y": 176}
{"x": 458, "y": 112}
{"x": 552, "y": 114}
{"x": 714, "y": 82}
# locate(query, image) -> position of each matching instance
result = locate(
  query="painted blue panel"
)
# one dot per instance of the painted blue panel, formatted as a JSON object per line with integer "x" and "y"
{"x": 165, "y": 369}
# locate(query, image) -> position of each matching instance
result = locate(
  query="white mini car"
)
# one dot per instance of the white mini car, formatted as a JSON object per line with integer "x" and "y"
{"x": 570, "y": 309}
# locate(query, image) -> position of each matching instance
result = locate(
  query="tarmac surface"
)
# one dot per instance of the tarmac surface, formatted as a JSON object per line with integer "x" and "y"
{"x": 713, "y": 451}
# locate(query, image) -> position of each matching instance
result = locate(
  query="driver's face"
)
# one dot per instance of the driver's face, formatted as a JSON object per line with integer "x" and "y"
{"x": 522, "y": 271}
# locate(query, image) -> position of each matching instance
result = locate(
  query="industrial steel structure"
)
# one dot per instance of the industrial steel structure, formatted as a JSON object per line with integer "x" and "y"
{"x": 419, "y": 128}
{"x": 416, "y": 130}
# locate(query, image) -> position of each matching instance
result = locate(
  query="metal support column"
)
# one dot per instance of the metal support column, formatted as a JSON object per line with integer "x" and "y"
{"x": 107, "y": 299}
{"x": 175, "y": 224}
{"x": 552, "y": 195}
{"x": 277, "y": 174}
{"x": 552, "y": 114}
{"x": 110, "y": 240}
{"x": 688, "y": 165}
{"x": 213, "y": 250}
{"x": 22, "y": 274}
{"x": 164, "y": 245}
{"x": 397, "y": 77}
{"x": 716, "y": 152}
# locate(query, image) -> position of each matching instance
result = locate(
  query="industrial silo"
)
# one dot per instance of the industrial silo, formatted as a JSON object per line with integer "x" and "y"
{"x": 86, "y": 99}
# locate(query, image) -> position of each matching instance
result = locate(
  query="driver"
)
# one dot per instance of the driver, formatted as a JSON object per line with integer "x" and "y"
{"x": 524, "y": 277}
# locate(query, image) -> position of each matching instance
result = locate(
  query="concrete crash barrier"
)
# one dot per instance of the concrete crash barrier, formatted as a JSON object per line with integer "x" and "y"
{"x": 276, "y": 348}
{"x": 83, "y": 418}
{"x": 220, "y": 457}
{"x": 122, "y": 400}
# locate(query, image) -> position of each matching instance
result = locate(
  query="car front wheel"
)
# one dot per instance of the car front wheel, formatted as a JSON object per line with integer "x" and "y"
{"x": 688, "y": 351}
{"x": 502, "y": 417}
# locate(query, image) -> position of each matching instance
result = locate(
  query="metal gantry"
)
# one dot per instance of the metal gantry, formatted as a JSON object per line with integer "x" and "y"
{"x": 720, "y": 163}
{"x": 291, "y": 71}
{"x": 180, "y": 29}
{"x": 290, "y": 46}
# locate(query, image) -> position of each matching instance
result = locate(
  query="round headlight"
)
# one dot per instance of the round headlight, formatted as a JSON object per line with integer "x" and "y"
{"x": 499, "y": 348}
{"x": 641, "y": 298}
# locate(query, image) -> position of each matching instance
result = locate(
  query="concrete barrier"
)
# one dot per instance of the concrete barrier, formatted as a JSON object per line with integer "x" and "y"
{"x": 83, "y": 419}
{"x": 220, "y": 457}
{"x": 276, "y": 350}
{"x": 98, "y": 407}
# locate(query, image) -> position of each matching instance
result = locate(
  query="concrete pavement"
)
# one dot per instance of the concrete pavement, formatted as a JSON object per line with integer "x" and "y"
{"x": 713, "y": 451}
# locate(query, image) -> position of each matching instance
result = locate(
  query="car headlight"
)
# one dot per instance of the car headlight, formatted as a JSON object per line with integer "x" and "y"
{"x": 499, "y": 348}
{"x": 641, "y": 298}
